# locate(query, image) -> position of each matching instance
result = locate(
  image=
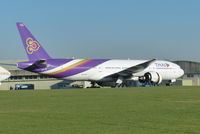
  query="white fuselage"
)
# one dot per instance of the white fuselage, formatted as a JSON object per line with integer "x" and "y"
{"x": 166, "y": 69}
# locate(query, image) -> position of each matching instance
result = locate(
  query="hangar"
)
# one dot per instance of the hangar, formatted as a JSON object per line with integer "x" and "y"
{"x": 24, "y": 78}
{"x": 192, "y": 72}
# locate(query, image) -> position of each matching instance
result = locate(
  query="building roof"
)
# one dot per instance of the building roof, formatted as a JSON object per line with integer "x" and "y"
{"x": 10, "y": 64}
{"x": 189, "y": 67}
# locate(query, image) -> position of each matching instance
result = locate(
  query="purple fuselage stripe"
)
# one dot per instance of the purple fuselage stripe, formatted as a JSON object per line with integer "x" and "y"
{"x": 53, "y": 63}
{"x": 80, "y": 69}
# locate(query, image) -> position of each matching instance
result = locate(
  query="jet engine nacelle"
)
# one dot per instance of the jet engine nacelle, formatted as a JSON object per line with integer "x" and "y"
{"x": 151, "y": 77}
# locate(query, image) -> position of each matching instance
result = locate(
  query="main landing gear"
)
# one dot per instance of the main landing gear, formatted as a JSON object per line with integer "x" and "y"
{"x": 120, "y": 83}
{"x": 94, "y": 85}
{"x": 170, "y": 82}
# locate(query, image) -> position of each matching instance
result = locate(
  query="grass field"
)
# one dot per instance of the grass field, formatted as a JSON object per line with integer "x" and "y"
{"x": 152, "y": 110}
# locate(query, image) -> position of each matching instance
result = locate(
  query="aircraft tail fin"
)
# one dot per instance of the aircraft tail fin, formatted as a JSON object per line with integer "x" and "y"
{"x": 32, "y": 47}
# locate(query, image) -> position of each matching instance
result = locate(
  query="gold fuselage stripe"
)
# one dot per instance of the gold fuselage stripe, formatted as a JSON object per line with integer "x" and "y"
{"x": 70, "y": 67}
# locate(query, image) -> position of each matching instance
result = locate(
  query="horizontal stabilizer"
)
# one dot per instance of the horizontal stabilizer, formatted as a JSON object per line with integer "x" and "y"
{"x": 32, "y": 65}
{"x": 7, "y": 64}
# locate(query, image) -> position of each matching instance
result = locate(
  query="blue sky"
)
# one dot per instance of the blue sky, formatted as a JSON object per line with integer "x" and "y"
{"x": 119, "y": 29}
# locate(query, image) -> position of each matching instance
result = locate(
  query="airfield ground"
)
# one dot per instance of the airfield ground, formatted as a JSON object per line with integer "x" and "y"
{"x": 150, "y": 110}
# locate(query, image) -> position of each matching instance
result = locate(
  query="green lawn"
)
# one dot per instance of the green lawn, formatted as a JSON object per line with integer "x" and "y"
{"x": 150, "y": 110}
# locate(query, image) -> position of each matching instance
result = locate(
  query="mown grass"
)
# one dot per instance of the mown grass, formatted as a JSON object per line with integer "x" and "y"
{"x": 151, "y": 110}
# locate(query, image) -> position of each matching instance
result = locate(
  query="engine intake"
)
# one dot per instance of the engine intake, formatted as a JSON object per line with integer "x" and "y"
{"x": 151, "y": 77}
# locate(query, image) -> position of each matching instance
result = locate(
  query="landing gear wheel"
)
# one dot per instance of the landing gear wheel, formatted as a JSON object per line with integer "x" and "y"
{"x": 168, "y": 84}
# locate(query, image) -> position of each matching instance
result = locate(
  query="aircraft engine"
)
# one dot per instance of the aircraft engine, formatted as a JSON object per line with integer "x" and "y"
{"x": 151, "y": 77}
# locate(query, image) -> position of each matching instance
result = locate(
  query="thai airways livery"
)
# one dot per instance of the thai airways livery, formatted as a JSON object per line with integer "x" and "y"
{"x": 100, "y": 71}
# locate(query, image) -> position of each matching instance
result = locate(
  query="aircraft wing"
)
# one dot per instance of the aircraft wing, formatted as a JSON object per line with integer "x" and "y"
{"x": 134, "y": 69}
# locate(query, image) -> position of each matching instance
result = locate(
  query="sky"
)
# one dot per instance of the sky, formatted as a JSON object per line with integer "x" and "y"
{"x": 114, "y": 29}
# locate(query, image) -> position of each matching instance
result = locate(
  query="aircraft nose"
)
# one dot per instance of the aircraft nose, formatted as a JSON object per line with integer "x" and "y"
{"x": 181, "y": 72}
{"x": 4, "y": 74}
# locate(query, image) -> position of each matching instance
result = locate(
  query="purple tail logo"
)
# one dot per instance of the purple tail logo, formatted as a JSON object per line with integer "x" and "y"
{"x": 32, "y": 45}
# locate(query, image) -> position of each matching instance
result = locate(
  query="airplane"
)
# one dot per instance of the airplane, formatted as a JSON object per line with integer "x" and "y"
{"x": 4, "y": 74}
{"x": 97, "y": 71}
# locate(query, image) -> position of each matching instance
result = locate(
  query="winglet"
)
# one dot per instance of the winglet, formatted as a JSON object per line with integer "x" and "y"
{"x": 32, "y": 47}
